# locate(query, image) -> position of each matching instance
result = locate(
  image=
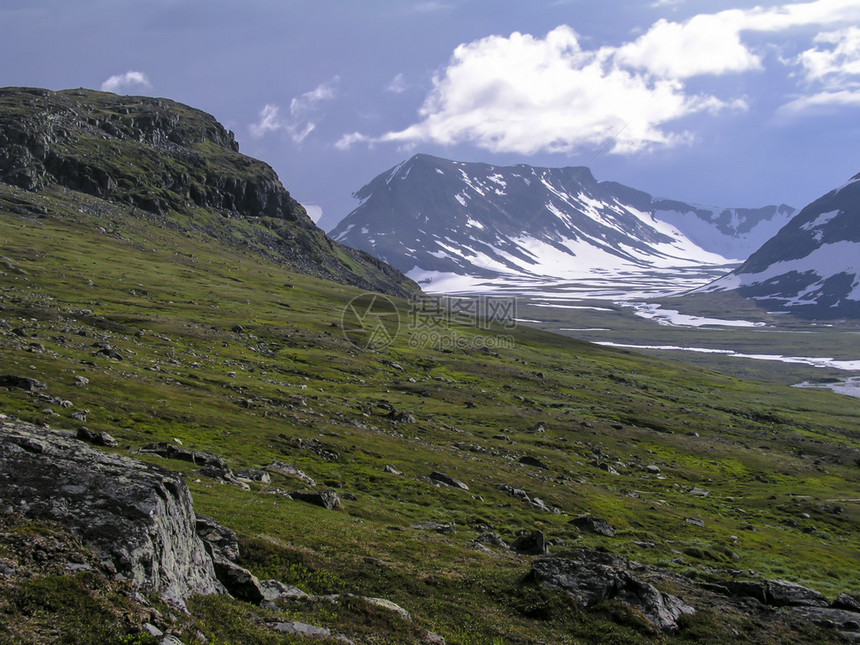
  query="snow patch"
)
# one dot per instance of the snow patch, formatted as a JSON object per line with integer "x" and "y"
{"x": 672, "y": 318}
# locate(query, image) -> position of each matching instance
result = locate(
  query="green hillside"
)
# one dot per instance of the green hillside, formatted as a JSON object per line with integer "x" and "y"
{"x": 182, "y": 334}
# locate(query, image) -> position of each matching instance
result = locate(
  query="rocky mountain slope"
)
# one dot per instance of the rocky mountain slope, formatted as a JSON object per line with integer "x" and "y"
{"x": 811, "y": 268}
{"x": 436, "y": 219}
{"x": 172, "y": 164}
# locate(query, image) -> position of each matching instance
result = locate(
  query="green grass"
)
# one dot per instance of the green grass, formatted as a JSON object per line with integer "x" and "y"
{"x": 168, "y": 300}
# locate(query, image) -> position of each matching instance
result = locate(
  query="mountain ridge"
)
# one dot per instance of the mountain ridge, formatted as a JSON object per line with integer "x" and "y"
{"x": 432, "y": 217}
{"x": 810, "y": 267}
{"x": 167, "y": 161}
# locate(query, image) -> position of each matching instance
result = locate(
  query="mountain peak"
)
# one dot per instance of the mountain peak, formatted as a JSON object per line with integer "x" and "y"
{"x": 810, "y": 267}
{"x": 437, "y": 218}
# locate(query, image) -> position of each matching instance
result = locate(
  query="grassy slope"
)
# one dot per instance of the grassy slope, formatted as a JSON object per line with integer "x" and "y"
{"x": 767, "y": 453}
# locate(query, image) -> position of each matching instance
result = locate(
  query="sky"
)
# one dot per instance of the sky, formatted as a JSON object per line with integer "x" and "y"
{"x": 722, "y": 103}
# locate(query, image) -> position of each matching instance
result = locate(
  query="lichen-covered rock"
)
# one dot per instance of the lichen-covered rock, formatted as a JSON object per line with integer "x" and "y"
{"x": 328, "y": 499}
{"x": 136, "y": 516}
{"x": 592, "y": 524}
{"x": 447, "y": 480}
{"x": 777, "y": 593}
{"x": 170, "y": 451}
{"x": 594, "y": 576}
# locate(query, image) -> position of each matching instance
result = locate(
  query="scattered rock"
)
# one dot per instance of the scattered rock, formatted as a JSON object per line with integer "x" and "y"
{"x": 22, "y": 382}
{"x": 274, "y": 590}
{"x": 238, "y": 581}
{"x": 304, "y": 629}
{"x": 533, "y": 461}
{"x": 391, "y": 470}
{"x": 328, "y": 499}
{"x": 848, "y": 622}
{"x": 442, "y": 478}
{"x": 592, "y": 524}
{"x": 654, "y": 470}
{"x": 170, "y": 451}
{"x": 288, "y": 470}
{"x": 152, "y": 630}
{"x": 224, "y": 475}
{"x": 491, "y": 538}
{"x": 695, "y": 521}
{"x": 699, "y": 492}
{"x": 109, "y": 352}
{"x": 604, "y": 466}
{"x": 254, "y": 475}
{"x": 96, "y": 438}
{"x": 533, "y": 543}
{"x": 438, "y": 527}
{"x": 402, "y": 417}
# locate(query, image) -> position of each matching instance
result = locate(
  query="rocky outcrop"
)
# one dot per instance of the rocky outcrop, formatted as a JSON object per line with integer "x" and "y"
{"x": 136, "y": 516}
{"x": 155, "y": 157}
{"x": 594, "y": 576}
{"x": 777, "y": 593}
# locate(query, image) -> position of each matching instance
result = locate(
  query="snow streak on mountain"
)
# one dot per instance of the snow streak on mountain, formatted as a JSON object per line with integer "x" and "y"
{"x": 456, "y": 226}
{"x": 812, "y": 266}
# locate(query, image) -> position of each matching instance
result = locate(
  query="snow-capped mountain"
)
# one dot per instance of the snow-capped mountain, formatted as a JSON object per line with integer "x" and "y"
{"x": 812, "y": 266}
{"x": 451, "y": 225}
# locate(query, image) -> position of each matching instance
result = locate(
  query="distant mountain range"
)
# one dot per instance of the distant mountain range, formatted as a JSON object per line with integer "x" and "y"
{"x": 449, "y": 223}
{"x": 812, "y": 266}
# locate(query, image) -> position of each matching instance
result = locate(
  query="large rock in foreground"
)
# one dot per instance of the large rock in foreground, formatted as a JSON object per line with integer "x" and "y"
{"x": 136, "y": 516}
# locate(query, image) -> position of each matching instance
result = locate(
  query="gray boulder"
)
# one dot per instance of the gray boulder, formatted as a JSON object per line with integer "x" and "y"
{"x": 593, "y": 524}
{"x": 137, "y": 517}
{"x": 288, "y": 470}
{"x": 777, "y": 593}
{"x": 96, "y": 438}
{"x": 328, "y": 499}
{"x": 21, "y": 382}
{"x": 442, "y": 478}
{"x": 170, "y": 451}
{"x": 594, "y": 576}
{"x": 533, "y": 543}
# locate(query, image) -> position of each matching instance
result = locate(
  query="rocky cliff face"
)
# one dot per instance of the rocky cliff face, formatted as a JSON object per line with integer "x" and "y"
{"x": 165, "y": 158}
{"x": 137, "y": 517}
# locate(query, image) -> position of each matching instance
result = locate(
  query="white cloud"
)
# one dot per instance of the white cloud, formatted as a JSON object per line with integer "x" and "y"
{"x": 835, "y": 62}
{"x": 831, "y": 72}
{"x": 122, "y": 82}
{"x": 349, "y": 140}
{"x": 303, "y": 116}
{"x": 712, "y": 43}
{"x": 820, "y": 103}
{"x": 397, "y": 85}
{"x": 705, "y": 44}
{"x": 526, "y": 94}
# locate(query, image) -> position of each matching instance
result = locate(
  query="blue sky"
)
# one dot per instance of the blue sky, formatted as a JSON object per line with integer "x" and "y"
{"x": 720, "y": 103}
